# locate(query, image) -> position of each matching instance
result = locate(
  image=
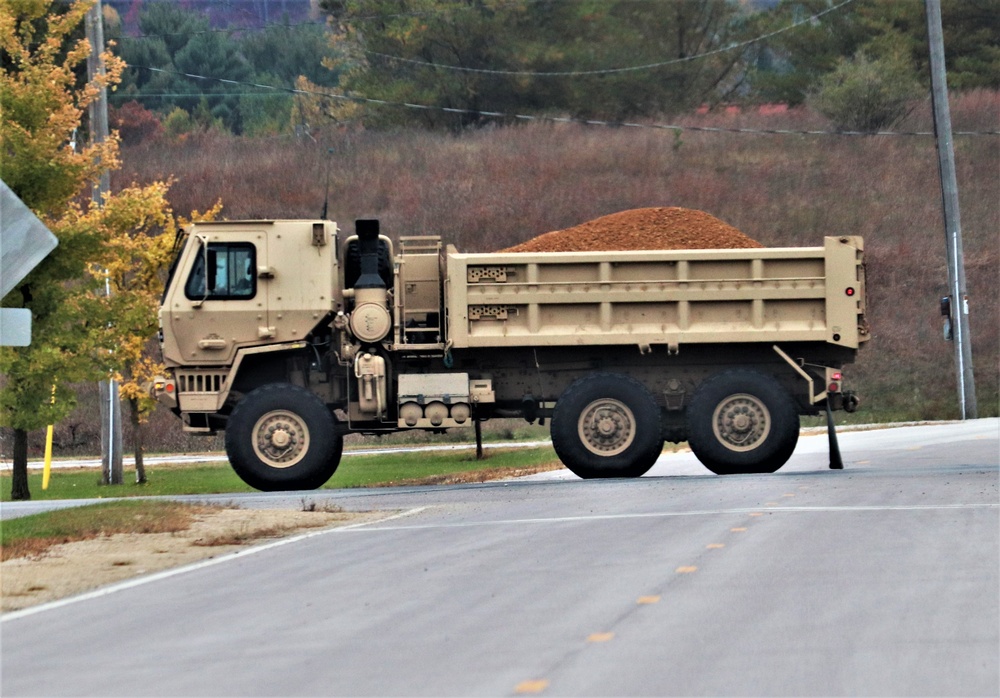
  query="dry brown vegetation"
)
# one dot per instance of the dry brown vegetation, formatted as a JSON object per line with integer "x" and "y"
{"x": 88, "y": 523}
{"x": 498, "y": 187}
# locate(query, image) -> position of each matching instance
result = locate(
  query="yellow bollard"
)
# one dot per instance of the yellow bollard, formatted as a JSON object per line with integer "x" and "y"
{"x": 48, "y": 448}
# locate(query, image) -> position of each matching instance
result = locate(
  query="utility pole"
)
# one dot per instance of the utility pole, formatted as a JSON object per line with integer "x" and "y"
{"x": 959, "y": 298}
{"x": 111, "y": 424}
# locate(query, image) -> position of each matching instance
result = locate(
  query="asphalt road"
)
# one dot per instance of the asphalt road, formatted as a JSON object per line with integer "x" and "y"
{"x": 881, "y": 579}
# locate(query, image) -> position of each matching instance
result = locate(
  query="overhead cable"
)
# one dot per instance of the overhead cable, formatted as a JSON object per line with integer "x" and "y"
{"x": 609, "y": 71}
{"x": 552, "y": 119}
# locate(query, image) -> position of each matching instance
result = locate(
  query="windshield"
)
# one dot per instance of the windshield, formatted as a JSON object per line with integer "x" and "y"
{"x": 178, "y": 247}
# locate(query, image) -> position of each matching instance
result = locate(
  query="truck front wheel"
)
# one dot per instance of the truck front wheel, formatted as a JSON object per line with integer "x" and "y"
{"x": 282, "y": 437}
{"x": 742, "y": 422}
{"x": 607, "y": 425}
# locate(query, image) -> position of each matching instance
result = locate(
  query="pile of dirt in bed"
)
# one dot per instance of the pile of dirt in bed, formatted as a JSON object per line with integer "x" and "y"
{"x": 661, "y": 228}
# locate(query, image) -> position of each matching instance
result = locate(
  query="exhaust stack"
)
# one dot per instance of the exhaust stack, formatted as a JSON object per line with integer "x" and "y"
{"x": 367, "y": 230}
{"x": 370, "y": 320}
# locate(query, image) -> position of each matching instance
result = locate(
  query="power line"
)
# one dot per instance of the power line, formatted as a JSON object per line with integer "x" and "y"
{"x": 552, "y": 119}
{"x": 608, "y": 71}
{"x": 173, "y": 95}
{"x": 225, "y": 30}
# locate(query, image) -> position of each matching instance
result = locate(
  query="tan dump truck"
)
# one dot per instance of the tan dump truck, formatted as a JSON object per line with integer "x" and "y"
{"x": 290, "y": 334}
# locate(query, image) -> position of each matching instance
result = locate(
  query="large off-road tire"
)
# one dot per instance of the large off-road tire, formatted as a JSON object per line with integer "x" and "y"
{"x": 742, "y": 422}
{"x": 282, "y": 437}
{"x": 607, "y": 425}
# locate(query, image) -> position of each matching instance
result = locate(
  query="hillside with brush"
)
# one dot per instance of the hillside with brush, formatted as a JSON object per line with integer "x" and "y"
{"x": 491, "y": 189}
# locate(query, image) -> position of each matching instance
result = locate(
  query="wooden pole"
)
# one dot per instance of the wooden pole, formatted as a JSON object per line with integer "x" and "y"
{"x": 111, "y": 425}
{"x": 952, "y": 219}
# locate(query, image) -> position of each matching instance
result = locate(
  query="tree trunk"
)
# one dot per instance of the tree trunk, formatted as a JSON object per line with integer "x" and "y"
{"x": 19, "y": 482}
{"x": 137, "y": 443}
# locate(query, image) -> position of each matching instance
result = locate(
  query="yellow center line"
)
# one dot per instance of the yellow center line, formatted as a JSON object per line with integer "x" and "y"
{"x": 755, "y": 513}
{"x": 687, "y": 569}
{"x": 648, "y": 599}
{"x": 713, "y": 546}
{"x": 600, "y": 637}
{"x": 788, "y": 495}
{"x": 536, "y": 686}
{"x": 738, "y": 530}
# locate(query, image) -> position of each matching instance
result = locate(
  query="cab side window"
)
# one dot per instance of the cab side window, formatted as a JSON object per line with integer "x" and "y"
{"x": 228, "y": 269}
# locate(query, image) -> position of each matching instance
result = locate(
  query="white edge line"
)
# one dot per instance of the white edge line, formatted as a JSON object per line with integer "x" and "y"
{"x": 665, "y": 514}
{"x": 202, "y": 564}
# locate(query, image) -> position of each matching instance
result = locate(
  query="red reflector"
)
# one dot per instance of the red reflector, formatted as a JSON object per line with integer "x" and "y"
{"x": 849, "y": 291}
{"x": 833, "y": 388}
{"x": 170, "y": 387}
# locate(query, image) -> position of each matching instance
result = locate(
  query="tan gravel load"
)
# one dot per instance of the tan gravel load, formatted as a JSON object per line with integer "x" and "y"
{"x": 661, "y": 228}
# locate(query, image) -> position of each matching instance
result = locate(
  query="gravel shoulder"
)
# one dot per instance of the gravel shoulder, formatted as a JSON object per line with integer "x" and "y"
{"x": 73, "y": 568}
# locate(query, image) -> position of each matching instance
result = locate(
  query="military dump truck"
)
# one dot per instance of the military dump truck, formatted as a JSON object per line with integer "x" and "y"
{"x": 290, "y": 334}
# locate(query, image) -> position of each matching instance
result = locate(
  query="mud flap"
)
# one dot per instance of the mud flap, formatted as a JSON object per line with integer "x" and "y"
{"x": 835, "y": 461}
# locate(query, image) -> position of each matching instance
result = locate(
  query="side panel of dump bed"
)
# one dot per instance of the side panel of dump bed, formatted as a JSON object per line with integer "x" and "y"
{"x": 656, "y": 297}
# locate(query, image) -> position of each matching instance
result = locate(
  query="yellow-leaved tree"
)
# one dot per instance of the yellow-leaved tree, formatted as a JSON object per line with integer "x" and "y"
{"x": 77, "y": 333}
{"x": 141, "y": 245}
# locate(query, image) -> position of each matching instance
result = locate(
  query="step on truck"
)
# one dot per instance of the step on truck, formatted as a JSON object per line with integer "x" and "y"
{"x": 290, "y": 334}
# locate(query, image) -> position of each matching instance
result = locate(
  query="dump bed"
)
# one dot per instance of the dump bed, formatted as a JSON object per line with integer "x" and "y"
{"x": 658, "y": 297}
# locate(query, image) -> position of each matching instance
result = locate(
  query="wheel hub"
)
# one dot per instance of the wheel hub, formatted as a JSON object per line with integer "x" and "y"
{"x": 741, "y": 422}
{"x": 607, "y": 427}
{"x": 281, "y": 439}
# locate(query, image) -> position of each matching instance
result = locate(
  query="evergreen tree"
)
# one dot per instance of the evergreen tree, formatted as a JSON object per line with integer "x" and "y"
{"x": 790, "y": 65}
{"x": 178, "y": 41}
{"x": 485, "y": 56}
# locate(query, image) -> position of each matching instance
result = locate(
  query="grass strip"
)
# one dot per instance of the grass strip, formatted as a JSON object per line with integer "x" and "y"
{"x": 32, "y": 535}
{"x": 384, "y": 469}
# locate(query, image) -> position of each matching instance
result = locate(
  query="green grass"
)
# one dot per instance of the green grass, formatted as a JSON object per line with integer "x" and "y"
{"x": 218, "y": 478}
{"x": 394, "y": 469}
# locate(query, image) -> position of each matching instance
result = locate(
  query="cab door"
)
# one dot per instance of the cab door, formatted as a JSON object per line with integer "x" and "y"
{"x": 219, "y": 300}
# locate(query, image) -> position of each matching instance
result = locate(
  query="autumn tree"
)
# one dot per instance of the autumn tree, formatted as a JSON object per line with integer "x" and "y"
{"x": 140, "y": 234}
{"x": 43, "y": 99}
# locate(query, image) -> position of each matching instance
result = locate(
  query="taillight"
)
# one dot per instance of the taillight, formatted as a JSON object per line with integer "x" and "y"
{"x": 834, "y": 377}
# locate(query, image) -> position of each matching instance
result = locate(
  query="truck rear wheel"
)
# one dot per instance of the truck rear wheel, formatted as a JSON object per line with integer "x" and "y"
{"x": 742, "y": 422}
{"x": 282, "y": 437}
{"x": 607, "y": 425}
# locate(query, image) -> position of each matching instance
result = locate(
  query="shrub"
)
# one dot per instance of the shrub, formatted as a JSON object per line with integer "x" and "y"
{"x": 866, "y": 94}
{"x": 134, "y": 123}
{"x": 177, "y": 123}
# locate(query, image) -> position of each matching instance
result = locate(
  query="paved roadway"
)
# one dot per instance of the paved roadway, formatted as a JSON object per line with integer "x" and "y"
{"x": 881, "y": 579}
